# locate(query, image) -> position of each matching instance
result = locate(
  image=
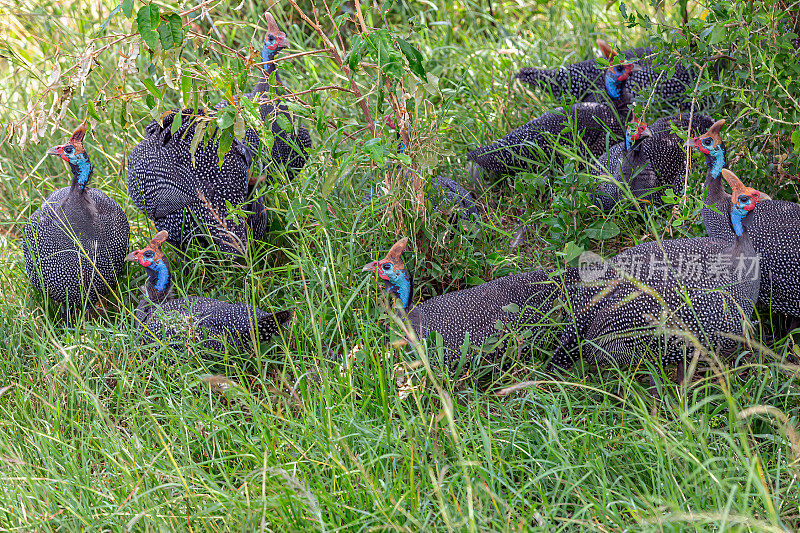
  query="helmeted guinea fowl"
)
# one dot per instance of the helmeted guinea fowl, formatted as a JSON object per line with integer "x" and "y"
{"x": 75, "y": 243}
{"x": 289, "y": 148}
{"x": 775, "y": 229}
{"x": 651, "y": 160}
{"x": 160, "y": 317}
{"x": 596, "y": 126}
{"x": 583, "y": 80}
{"x": 475, "y": 311}
{"x": 186, "y": 194}
{"x": 658, "y": 296}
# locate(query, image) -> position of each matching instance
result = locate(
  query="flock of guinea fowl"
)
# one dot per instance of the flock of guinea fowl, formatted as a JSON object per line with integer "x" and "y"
{"x": 661, "y": 301}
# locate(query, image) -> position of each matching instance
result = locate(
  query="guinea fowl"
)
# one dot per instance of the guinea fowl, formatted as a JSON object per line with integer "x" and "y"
{"x": 583, "y": 81}
{"x": 213, "y": 323}
{"x": 775, "y": 230}
{"x": 596, "y": 126}
{"x": 289, "y": 148}
{"x": 657, "y": 297}
{"x": 475, "y": 311}
{"x": 187, "y": 194}
{"x": 651, "y": 160}
{"x": 75, "y": 243}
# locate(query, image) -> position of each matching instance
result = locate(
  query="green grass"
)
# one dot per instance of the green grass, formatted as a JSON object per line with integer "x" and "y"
{"x": 98, "y": 433}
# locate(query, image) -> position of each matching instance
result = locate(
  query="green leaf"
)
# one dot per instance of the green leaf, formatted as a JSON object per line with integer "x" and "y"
{"x": 186, "y": 88}
{"x": 147, "y": 18}
{"x": 474, "y": 280}
{"x": 151, "y": 88}
{"x": 601, "y": 230}
{"x": 177, "y": 122}
{"x": 238, "y": 126}
{"x": 147, "y": 21}
{"x": 199, "y": 133}
{"x": 375, "y": 149}
{"x": 511, "y": 308}
{"x": 171, "y": 31}
{"x": 127, "y": 8}
{"x": 355, "y": 54}
{"x": 92, "y": 111}
{"x": 413, "y": 56}
{"x": 225, "y": 143}
{"x": 284, "y": 123}
{"x": 226, "y": 117}
{"x": 572, "y": 251}
{"x": 796, "y": 139}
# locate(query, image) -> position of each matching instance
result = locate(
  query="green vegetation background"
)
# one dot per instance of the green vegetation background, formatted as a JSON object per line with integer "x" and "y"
{"x": 309, "y": 433}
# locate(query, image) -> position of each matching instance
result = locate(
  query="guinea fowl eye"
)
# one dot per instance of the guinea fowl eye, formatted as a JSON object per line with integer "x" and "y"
{"x": 386, "y": 266}
{"x": 68, "y": 149}
{"x": 707, "y": 141}
{"x": 149, "y": 255}
{"x": 271, "y": 38}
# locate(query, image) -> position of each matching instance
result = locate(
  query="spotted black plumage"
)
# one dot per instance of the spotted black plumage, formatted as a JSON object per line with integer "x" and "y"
{"x": 774, "y": 230}
{"x": 186, "y": 194}
{"x": 75, "y": 243}
{"x": 454, "y": 197}
{"x": 160, "y": 317}
{"x": 595, "y": 125}
{"x": 651, "y": 160}
{"x": 583, "y": 80}
{"x": 474, "y": 311}
{"x": 701, "y": 287}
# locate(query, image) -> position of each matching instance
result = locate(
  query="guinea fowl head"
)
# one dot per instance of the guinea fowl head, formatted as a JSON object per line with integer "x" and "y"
{"x": 710, "y": 144}
{"x": 393, "y": 272}
{"x": 744, "y": 199}
{"x": 274, "y": 41}
{"x": 152, "y": 258}
{"x": 616, "y": 75}
{"x": 636, "y": 132}
{"x": 73, "y": 153}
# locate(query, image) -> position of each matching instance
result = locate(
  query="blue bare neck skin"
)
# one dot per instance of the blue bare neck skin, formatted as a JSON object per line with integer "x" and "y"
{"x": 403, "y": 286}
{"x": 158, "y": 274}
{"x": 716, "y": 162}
{"x": 81, "y": 172}
{"x": 613, "y": 87}
{"x": 737, "y": 215}
{"x": 267, "y": 56}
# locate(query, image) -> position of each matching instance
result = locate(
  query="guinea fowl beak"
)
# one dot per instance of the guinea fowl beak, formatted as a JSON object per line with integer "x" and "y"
{"x": 646, "y": 133}
{"x": 283, "y": 42}
{"x": 691, "y": 142}
{"x": 57, "y": 150}
{"x": 636, "y": 68}
{"x": 133, "y": 256}
{"x": 369, "y": 267}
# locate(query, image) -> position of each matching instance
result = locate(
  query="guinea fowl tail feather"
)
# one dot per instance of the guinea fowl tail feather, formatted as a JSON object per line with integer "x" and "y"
{"x": 270, "y": 323}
